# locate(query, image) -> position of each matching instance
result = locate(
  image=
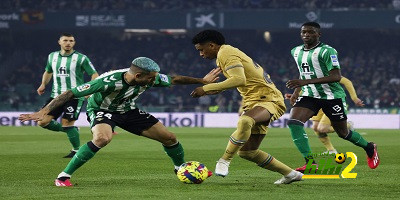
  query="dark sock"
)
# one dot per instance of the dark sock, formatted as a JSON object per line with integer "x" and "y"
{"x": 176, "y": 153}
{"x": 369, "y": 149}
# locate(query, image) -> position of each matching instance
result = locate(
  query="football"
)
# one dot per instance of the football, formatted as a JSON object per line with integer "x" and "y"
{"x": 192, "y": 172}
{"x": 340, "y": 158}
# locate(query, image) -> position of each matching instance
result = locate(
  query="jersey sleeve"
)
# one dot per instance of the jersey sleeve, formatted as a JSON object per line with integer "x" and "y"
{"x": 162, "y": 80}
{"x": 227, "y": 59}
{"x": 88, "y": 66}
{"x": 91, "y": 87}
{"x": 48, "y": 67}
{"x": 330, "y": 58}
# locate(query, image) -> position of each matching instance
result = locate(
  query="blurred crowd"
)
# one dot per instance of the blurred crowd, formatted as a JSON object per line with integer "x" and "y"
{"x": 163, "y": 5}
{"x": 368, "y": 58}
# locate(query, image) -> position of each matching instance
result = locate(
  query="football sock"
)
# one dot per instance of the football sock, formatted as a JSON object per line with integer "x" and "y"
{"x": 54, "y": 126}
{"x": 239, "y": 137}
{"x": 176, "y": 153}
{"x": 326, "y": 141}
{"x": 85, "y": 153}
{"x": 277, "y": 166}
{"x": 73, "y": 136}
{"x": 356, "y": 139}
{"x": 265, "y": 160}
{"x": 300, "y": 138}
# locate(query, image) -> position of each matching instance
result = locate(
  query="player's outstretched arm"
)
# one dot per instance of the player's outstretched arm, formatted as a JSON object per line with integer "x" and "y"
{"x": 38, "y": 116}
{"x": 211, "y": 77}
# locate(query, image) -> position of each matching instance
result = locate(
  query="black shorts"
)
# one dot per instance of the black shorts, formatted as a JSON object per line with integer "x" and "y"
{"x": 134, "y": 121}
{"x": 334, "y": 109}
{"x": 71, "y": 109}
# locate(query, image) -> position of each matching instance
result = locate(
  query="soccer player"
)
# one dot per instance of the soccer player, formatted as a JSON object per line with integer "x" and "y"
{"x": 66, "y": 67}
{"x": 262, "y": 103}
{"x": 321, "y": 123}
{"x": 112, "y": 103}
{"x": 319, "y": 69}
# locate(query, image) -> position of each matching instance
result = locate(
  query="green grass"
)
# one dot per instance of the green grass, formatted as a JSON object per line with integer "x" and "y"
{"x": 133, "y": 167}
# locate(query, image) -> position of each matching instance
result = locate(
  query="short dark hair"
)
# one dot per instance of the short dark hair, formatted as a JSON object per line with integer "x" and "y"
{"x": 313, "y": 24}
{"x": 209, "y": 36}
{"x": 66, "y": 35}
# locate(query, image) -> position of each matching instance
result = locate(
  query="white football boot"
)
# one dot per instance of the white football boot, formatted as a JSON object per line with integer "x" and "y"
{"x": 222, "y": 167}
{"x": 291, "y": 177}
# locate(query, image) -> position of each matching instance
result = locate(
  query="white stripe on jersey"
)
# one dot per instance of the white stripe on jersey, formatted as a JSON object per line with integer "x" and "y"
{"x": 108, "y": 99}
{"x": 296, "y": 55}
{"x": 319, "y": 73}
{"x": 72, "y": 70}
{"x": 311, "y": 86}
{"x": 63, "y": 78}
{"x": 128, "y": 93}
{"x": 54, "y": 68}
{"x": 112, "y": 72}
{"x": 141, "y": 90}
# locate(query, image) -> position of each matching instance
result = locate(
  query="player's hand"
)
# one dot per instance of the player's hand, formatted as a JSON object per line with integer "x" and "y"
{"x": 288, "y": 96}
{"x": 212, "y": 76}
{"x": 41, "y": 89}
{"x": 198, "y": 92}
{"x": 292, "y": 98}
{"x": 37, "y": 116}
{"x": 292, "y": 84}
{"x": 359, "y": 102}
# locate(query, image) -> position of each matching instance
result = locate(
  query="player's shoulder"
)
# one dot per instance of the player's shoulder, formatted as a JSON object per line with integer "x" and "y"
{"x": 80, "y": 54}
{"x": 115, "y": 74}
{"x": 228, "y": 50}
{"x": 326, "y": 47}
{"x": 297, "y": 47}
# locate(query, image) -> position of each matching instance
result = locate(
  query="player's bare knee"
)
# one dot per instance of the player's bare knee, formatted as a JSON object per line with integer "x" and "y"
{"x": 169, "y": 140}
{"x": 315, "y": 127}
{"x": 102, "y": 140}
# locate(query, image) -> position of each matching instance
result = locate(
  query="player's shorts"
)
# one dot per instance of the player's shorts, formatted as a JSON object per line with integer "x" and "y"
{"x": 275, "y": 108}
{"x": 134, "y": 121}
{"x": 71, "y": 109}
{"x": 321, "y": 118}
{"x": 334, "y": 109}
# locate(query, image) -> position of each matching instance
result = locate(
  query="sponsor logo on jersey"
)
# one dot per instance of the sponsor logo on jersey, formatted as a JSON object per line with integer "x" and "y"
{"x": 83, "y": 87}
{"x": 164, "y": 78}
{"x": 335, "y": 61}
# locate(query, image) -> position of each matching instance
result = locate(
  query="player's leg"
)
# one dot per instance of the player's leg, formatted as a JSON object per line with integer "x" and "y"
{"x": 102, "y": 135}
{"x": 48, "y": 121}
{"x": 303, "y": 109}
{"x": 238, "y": 138}
{"x": 169, "y": 141}
{"x": 334, "y": 109}
{"x": 102, "y": 124}
{"x": 71, "y": 113}
{"x": 324, "y": 127}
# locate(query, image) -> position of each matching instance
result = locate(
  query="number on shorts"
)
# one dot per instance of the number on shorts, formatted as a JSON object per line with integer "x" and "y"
{"x": 100, "y": 115}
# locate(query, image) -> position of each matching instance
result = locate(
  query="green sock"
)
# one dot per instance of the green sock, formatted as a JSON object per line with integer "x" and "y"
{"x": 356, "y": 139}
{"x": 84, "y": 154}
{"x": 73, "y": 136}
{"x": 175, "y": 152}
{"x": 54, "y": 126}
{"x": 300, "y": 138}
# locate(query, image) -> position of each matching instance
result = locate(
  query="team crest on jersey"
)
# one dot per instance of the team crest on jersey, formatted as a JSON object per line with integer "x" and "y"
{"x": 335, "y": 61}
{"x": 83, "y": 87}
{"x": 164, "y": 78}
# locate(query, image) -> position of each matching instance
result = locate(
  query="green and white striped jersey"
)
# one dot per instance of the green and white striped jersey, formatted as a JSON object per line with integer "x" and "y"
{"x": 112, "y": 93}
{"x": 68, "y": 70}
{"x": 316, "y": 63}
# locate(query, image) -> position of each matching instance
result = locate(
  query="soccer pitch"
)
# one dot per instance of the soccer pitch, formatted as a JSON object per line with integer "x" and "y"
{"x": 133, "y": 167}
